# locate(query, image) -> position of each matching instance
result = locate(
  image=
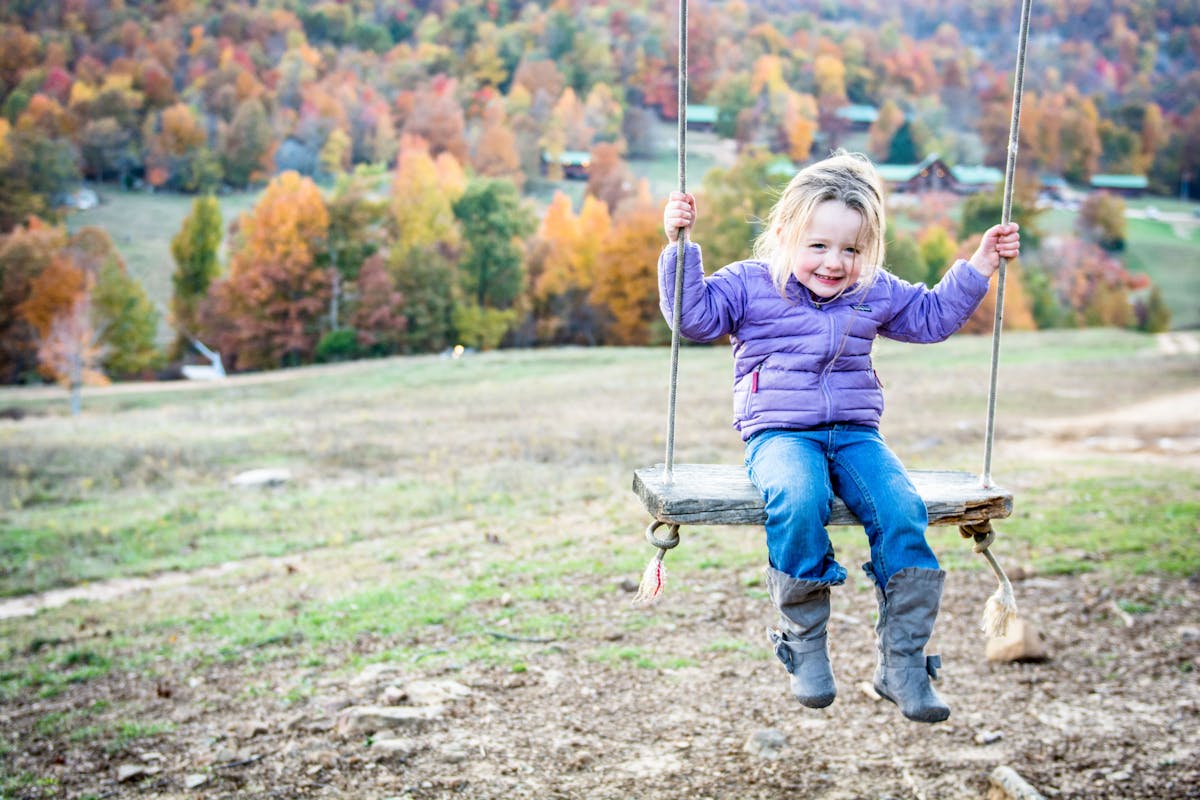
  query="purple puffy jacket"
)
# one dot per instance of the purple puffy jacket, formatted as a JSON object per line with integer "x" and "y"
{"x": 800, "y": 365}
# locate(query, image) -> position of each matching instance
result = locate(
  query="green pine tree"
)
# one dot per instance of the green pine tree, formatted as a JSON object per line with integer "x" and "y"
{"x": 194, "y": 249}
{"x": 127, "y": 322}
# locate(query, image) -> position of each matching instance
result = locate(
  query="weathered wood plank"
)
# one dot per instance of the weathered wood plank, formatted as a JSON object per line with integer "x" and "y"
{"x": 722, "y": 494}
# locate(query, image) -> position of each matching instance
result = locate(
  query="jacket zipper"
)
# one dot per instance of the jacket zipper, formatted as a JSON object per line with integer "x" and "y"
{"x": 829, "y": 366}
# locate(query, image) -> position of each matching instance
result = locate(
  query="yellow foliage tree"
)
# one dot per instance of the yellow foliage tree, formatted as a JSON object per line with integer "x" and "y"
{"x": 626, "y": 282}
{"x": 422, "y": 202}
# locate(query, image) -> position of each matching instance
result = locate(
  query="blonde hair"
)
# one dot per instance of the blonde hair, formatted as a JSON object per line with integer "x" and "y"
{"x": 846, "y": 177}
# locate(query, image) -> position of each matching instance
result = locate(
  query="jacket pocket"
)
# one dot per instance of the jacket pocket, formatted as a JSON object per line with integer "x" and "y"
{"x": 751, "y": 390}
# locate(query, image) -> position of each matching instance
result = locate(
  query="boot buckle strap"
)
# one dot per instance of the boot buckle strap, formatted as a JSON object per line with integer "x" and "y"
{"x": 789, "y": 650}
{"x": 932, "y": 665}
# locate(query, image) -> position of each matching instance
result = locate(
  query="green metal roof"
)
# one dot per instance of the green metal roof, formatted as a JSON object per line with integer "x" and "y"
{"x": 898, "y": 173}
{"x": 858, "y": 113}
{"x": 572, "y": 157}
{"x": 976, "y": 176}
{"x": 781, "y": 167}
{"x": 1120, "y": 181}
{"x": 700, "y": 113}
{"x": 969, "y": 175}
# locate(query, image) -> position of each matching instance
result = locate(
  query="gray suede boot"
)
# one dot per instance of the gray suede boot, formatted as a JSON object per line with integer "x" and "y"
{"x": 800, "y": 645}
{"x": 907, "y": 610}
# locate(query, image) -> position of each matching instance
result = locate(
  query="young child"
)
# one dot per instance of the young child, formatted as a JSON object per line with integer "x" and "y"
{"x": 802, "y": 315}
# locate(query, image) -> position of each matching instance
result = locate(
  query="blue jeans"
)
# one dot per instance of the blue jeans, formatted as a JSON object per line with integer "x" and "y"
{"x": 799, "y": 472}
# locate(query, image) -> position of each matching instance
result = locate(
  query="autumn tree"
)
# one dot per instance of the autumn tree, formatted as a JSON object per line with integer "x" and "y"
{"x": 609, "y": 178}
{"x": 269, "y": 311}
{"x": 425, "y": 243}
{"x": 494, "y": 154}
{"x": 1080, "y": 142}
{"x": 246, "y": 144}
{"x": 1153, "y": 315}
{"x": 39, "y": 163}
{"x": 1018, "y": 315}
{"x": 564, "y": 260}
{"x": 879, "y": 138}
{"x": 1091, "y": 284}
{"x": 53, "y": 292}
{"x": 194, "y": 248}
{"x": 937, "y": 251}
{"x": 355, "y": 234}
{"x": 437, "y": 117}
{"x": 24, "y": 254}
{"x": 1102, "y": 220}
{"x": 379, "y": 321}
{"x": 799, "y": 125}
{"x": 626, "y": 282}
{"x": 177, "y": 151}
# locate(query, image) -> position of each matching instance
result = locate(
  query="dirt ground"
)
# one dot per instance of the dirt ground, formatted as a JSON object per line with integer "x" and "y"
{"x": 1112, "y": 712}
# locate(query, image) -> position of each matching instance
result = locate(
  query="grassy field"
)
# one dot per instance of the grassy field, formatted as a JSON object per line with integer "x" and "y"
{"x": 507, "y": 441}
{"x": 440, "y": 510}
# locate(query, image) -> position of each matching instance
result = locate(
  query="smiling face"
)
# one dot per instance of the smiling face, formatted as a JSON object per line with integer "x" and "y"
{"x": 829, "y": 259}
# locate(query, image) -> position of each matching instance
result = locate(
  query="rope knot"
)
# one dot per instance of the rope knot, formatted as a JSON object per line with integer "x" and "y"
{"x": 982, "y": 532}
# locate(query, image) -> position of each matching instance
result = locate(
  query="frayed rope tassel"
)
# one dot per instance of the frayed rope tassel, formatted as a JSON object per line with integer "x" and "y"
{"x": 654, "y": 581}
{"x": 1001, "y": 607}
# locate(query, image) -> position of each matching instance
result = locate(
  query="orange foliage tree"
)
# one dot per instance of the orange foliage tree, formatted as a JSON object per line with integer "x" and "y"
{"x": 626, "y": 282}
{"x": 24, "y": 254}
{"x": 563, "y": 265}
{"x": 1018, "y": 311}
{"x": 609, "y": 178}
{"x": 268, "y": 313}
{"x": 495, "y": 152}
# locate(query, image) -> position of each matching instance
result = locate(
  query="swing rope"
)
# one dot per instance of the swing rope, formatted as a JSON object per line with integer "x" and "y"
{"x": 654, "y": 578}
{"x": 1001, "y": 607}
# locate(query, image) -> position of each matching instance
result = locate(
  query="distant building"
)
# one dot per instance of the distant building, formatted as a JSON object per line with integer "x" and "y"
{"x": 1053, "y": 187}
{"x": 79, "y": 199}
{"x": 574, "y": 163}
{"x": 859, "y": 117}
{"x": 933, "y": 175}
{"x": 1124, "y": 185}
{"x": 701, "y": 118}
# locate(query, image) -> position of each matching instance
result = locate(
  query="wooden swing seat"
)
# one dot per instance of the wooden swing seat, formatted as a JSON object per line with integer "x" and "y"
{"x": 722, "y": 494}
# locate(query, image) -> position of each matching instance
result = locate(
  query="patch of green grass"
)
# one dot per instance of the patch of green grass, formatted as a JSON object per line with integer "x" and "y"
{"x": 616, "y": 656}
{"x": 26, "y": 785}
{"x": 124, "y": 733}
{"x": 1130, "y": 524}
{"x": 45, "y": 674}
{"x": 742, "y": 649}
{"x": 104, "y": 537}
{"x": 1134, "y": 606}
